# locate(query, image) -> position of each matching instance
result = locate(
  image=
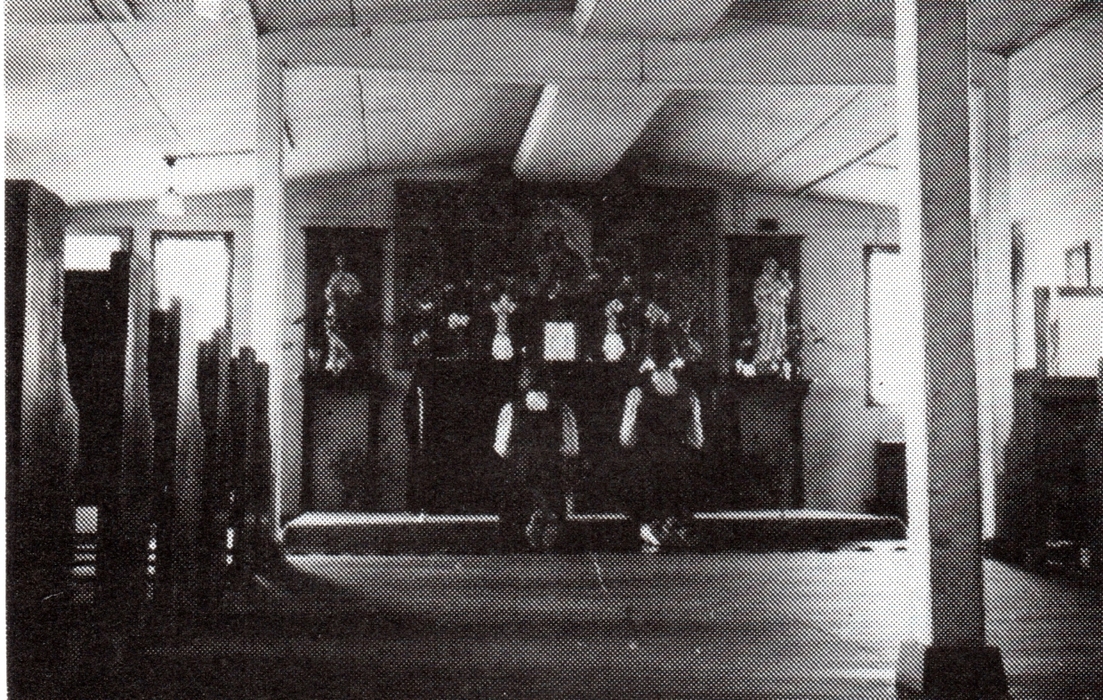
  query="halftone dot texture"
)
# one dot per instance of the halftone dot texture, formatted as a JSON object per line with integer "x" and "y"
{"x": 755, "y": 100}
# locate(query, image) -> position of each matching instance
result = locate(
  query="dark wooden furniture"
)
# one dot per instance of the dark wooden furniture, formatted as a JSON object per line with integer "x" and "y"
{"x": 341, "y": 440}
{"x": 41, "y": 437}
{"x": 1053, "y": 490}
{"x": 164, "y": 405}
{"x": 454, "y": 468}
{"x": 341, "y": 413}
{"x": 561, "y": 251}
{"x": 463, "y": 244}
{"x": 756, "y": 456}
{"x": 95, "y": 328}
{"x": 891, "y": 498}
{"x": 250, "y": 458}
{"x": 234, "y": 499}
{"x": 1050, "y": 497}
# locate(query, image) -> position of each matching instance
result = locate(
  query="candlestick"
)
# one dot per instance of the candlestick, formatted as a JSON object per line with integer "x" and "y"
{"x": 613, "y": 345}
{"x": 501, "y": 348}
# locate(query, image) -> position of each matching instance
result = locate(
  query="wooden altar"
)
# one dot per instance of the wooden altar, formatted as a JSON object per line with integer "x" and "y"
{"x": 341, "y": 440}
{"x": 753, "y": 456}
{"x": 558, "y": 256}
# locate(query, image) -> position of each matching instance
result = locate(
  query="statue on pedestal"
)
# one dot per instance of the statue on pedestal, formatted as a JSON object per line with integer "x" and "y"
{"x": 341, "y": 291}
{"x": 772, "y": 291}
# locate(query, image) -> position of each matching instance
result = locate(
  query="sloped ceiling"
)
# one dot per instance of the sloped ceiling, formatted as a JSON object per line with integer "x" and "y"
{"x": 94, "y": 106}
{"x": 100, "y": 90}
{"x": 79, "y": 120}
{"x": 343, "y": 120}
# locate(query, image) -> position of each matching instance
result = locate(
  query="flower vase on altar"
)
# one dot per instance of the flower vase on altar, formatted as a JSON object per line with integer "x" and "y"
{"x": 454, "y": 320}
{"x": 501, "y": 348}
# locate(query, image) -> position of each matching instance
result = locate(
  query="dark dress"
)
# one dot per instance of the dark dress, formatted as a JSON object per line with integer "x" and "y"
{"x": 662, "y": 456}
{"x": 534, "y": 480}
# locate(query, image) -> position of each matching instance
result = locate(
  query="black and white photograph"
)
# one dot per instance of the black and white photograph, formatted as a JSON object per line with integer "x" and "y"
{"x": 554, "y": 349}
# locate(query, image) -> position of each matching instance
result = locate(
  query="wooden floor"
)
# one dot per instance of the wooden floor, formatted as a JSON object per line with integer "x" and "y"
{"x": 741, "y": 625}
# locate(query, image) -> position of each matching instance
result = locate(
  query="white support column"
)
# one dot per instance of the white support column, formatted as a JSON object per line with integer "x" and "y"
{"x": 937, "y": 240}
{"x": 912, "y": 311}
{"x": 268, "y": 323}
{"x": 995, "y": 351}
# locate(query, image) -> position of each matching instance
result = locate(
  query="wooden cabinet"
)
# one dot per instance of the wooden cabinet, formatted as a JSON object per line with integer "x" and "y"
{"x": 341, "y": 441}
{"x": 756, "y": 454}
{"x": 1053, "y": 490}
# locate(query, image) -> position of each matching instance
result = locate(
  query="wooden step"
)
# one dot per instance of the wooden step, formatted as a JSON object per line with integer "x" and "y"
{"x": 413, "y": 533}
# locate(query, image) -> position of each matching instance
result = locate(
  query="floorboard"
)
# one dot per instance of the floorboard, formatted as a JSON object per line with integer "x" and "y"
{"x": 737, "y": 625}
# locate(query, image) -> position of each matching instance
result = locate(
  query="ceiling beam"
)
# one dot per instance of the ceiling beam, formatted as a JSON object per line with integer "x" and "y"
{"x": 849, "y": 135}
{"x": 113, "y": 10}
{"x": 580, "y": 131}
{"x": 282, "y": 15}
{"x": 543, "y": 48}
{"x": 654, "y": 19}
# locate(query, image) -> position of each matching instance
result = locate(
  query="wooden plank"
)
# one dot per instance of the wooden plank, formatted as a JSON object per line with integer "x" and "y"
{"x": 542, "y": 48}
{"x": 804, "y": 625}
{"x": 187, "y": 468}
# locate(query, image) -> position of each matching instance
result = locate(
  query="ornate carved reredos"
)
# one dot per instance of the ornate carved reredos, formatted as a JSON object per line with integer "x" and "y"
{"x": 563, "y": 253}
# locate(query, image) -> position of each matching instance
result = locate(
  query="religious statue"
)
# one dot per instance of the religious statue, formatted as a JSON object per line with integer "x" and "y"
{"x": 341, "y": 292}
{"x": 772, "y": 290}
{"x": 501, "y": 348}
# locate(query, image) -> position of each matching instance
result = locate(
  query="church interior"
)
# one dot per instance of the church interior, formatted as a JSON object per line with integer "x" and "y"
{"x": 554, "y": 348}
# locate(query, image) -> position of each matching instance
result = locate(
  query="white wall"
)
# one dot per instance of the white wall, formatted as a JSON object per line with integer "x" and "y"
{"x": 1056, "y": 102}
{"x": 1057, "y": 216}
{"x": 840, "y": 430}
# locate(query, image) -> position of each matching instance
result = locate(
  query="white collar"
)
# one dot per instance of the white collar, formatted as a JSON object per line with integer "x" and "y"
{"x": 536, "y": 400}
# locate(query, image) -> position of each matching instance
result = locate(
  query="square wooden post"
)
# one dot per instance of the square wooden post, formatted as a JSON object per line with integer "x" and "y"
{"x": 933, "y": 64}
